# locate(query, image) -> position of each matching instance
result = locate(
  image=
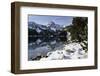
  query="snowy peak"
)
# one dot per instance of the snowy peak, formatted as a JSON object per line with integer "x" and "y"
{"x": 34, "y": 25}
{"x": 53, "y": 26}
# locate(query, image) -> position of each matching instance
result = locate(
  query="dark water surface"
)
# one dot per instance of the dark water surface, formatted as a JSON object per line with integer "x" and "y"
{"x": 39, "y": 46}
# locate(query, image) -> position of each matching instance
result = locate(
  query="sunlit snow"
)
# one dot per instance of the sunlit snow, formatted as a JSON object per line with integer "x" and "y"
{"x": 70, "y": 51}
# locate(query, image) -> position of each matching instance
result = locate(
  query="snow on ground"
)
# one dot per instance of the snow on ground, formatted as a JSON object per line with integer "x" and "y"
{"x": 70, "y": 51}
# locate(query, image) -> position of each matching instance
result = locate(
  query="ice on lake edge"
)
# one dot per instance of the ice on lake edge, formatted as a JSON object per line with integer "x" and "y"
{"x": 70, "y": 51}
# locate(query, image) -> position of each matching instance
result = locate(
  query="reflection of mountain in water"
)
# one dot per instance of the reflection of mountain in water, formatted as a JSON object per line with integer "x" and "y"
{"x": 39, "y": 47}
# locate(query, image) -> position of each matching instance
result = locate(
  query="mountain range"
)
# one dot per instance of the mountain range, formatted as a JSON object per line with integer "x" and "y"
{"x": 51, "y": 29}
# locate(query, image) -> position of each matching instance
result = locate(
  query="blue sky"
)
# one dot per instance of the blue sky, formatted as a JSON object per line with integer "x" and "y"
{"x": 44, "y": 19}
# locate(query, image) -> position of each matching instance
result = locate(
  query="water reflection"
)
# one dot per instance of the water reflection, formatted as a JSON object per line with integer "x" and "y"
{"x": 39, "y": 46}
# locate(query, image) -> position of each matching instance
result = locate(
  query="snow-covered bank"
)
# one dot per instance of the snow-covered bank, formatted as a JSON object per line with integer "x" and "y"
{"x": 70, "y": 51}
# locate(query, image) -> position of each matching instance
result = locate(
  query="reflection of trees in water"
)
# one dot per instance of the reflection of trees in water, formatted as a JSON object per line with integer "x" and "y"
{"x": 53, "y": 42}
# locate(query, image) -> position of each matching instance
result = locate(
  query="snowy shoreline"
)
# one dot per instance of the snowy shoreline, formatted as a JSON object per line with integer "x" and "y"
{"x": 70, "y": 51}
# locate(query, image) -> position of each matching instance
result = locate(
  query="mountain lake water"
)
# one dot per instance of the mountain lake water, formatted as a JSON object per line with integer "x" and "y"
{"x": 39, "y": 47}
